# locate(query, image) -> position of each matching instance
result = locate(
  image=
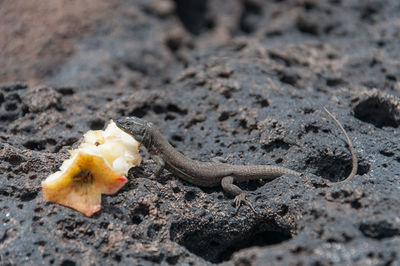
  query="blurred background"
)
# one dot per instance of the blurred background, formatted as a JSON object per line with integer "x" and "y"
{"x": 135, "y": 43}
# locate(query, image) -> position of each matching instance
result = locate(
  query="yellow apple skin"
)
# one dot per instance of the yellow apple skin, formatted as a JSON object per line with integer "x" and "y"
{"x": 82, "y": 182}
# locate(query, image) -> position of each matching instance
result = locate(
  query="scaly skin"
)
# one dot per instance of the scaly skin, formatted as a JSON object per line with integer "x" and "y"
{"x": 207, "y": 174}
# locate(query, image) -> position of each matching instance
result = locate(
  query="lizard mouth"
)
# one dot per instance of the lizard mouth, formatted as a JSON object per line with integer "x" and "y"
{"x": 133, "y": 126}
{"x": 127, "y": 123}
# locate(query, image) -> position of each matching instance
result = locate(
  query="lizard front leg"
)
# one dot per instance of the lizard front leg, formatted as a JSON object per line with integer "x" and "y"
{"x": 229, "y": 187}
{"x": 159, "y": 167}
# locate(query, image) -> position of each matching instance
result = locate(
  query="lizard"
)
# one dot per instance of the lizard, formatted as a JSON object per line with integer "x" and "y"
{"x": 208, "y": 174}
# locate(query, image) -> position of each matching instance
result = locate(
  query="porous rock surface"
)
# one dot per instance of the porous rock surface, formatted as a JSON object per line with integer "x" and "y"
{"x": 245, "y": 80}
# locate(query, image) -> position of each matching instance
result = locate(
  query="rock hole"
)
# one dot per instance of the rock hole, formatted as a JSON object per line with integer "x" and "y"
{"x": 363, "y": 167}
{"x": 11, "y": 107}
{"x": 38, "y": 210}
{"x": 346, "y": 238}
{"x": 371, "y": 254}
{"x": 176, "y": 189}
{"x": 379, "y": 230}
{"x": 306, "y": 25}
{"x": 190, "y": 195}
{"x": 312, "y": 128}
{"x": 136, "y": 66}
{"x": 298, "y": 250}
{"x": 381, "y": 43}
{"x": 386, "y": 153}
{"x": 391, "y": 77}
{"x": 333, "y": 82}
{"x": 335, "y": 2}
{"x": 250, "y": 16}
{"x": 216, "y": 243}
{"x": 224, "y": 116}
{"x": 28, "y": 196}
{"x": 177, "y": 138}
{"x": 282, "y": 59}
{"x": 193, "y": 15}
{"x": 35, "y": 145}
{"x": 66, "y": 91}
{"x": 169, "y": 117}
{"x": 153, "y": 230}
{"x": 173, "y": 44}
{"x": 288, "y": 78}
{"x": 68, "y": 263}
{"x": 138, "y": 214}
{"x": 276, "y": 144}
{"x": 40, "y": 243}
{"x": 332, "y": 240}
{"x": 283, "y": 210}
{"x": 96, "y": 124}
{"x": 136, "y": 219}
{"x": 336, "y": 168}
{"x": 308, "y": 5}
{"x": 4, "y": 193}
{"x": 273, "y": 33}
{"x": 14, "y": 159}
{"x": 340, "y": 194}
{"x": 195, "y": 121}
{"x": 243, "y": 123}
{"x": 369, "y": 10}
{"x": 379, "y": 110}
{"x": 172, "y": 260}
{"x": 176, "y": 109}
{"x": 51, "y": 141}
{"x": 264, "y": 103}
{"x": 355, "y": 204}
{"x": 158, "y": 109}
{"x": 139, "y": 111}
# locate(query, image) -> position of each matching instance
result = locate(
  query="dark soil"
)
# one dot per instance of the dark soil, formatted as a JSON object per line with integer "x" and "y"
{"x": 245, "y": 80}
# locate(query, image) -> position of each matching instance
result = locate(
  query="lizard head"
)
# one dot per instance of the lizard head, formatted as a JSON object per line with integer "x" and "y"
{"x": 134, "y": 126}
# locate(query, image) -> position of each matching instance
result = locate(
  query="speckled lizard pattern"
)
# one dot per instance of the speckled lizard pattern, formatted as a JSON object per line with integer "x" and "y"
{"x": 207, "y": 174}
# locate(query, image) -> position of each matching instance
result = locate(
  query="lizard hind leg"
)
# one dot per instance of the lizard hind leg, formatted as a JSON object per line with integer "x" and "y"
{"x": 230, "y": 188}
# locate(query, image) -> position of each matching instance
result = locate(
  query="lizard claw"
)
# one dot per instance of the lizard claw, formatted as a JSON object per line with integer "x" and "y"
{"x": 242, "y": 198}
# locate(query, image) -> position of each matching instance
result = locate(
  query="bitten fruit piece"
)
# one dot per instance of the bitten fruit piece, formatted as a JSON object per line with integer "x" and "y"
{"x": 97, "y": 166}
{"x": 81, "y": 185}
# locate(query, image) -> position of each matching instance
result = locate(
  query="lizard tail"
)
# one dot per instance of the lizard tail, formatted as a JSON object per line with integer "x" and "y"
{"x": 352, "y": 151}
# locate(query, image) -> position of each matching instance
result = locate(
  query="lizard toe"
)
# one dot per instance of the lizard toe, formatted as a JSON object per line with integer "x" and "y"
{"x": 238, "y": 200}
{"x": 242, "y": 198}
{"x": 250, "y": 205}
